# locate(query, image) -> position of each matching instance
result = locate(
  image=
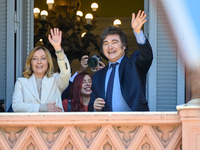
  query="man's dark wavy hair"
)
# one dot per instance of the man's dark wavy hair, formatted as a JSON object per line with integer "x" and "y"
{"x": 111, "y": 30}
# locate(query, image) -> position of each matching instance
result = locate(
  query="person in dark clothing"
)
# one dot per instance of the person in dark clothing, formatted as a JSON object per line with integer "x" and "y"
{"x": 129, "y": 73}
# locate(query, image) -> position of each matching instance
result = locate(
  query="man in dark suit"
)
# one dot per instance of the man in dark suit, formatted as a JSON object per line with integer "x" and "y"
{"x": 129, "y": 87}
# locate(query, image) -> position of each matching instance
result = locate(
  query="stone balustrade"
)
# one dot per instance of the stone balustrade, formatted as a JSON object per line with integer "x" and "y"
{"x": 101, "y": 131}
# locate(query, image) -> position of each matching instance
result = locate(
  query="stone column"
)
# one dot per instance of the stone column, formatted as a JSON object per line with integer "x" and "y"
{"x": 195, "y": 88}
{"x": 190, "y": 116}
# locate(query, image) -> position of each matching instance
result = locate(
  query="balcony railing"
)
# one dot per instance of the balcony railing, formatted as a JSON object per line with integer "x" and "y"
{"x": 101, "y": 131}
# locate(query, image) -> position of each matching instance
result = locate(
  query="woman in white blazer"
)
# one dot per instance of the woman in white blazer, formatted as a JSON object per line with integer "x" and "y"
{"x": 40, "y": 89}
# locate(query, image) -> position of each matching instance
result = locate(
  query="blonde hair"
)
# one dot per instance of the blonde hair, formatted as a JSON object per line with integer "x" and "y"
{"x": 28, "y": 68}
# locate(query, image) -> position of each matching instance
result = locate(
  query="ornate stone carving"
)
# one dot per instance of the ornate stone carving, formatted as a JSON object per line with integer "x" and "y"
{"x": 165, "y": 133}
{"x": 67, "y": 131}
{"x": 179, "y": 145}
{"x": 146, "y": 146}
{"x": 69, "y": 146}
{"x": 31, "y": 147}
{"x": 68, "y": 143}
{"x": 107, "y": 142}
{"x": 12, "y": 134}
{"x": 88, "y": 133}
{"x": 29, "y": 143}
{"x": 126, "y": 133}
{"x": 107, "y": 146}
{"x": 49, "y": 134}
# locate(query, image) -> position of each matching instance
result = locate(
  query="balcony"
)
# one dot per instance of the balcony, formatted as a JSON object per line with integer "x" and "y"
{"x": 102, "y": 131}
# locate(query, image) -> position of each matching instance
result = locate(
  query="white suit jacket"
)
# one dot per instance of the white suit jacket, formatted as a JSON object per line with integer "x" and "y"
{"x": 26, "y": 97}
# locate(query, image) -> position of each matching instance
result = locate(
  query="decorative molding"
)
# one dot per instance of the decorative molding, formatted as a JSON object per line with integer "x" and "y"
{"x": 88, "y": 134}
{"x": 12, "y": 134}
{"x": 126, "y": 133}
{"x": 165, "y": 133}
{"x": 99, "y": 131}
{"x": 146, "y": 144}
{"x": 49, "y": 134}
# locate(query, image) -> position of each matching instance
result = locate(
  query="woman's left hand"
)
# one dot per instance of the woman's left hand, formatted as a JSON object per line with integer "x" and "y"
{"x": 55, "y": 38}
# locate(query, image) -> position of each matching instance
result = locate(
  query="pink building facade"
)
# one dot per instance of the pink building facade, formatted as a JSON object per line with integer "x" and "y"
{"x": 102, "y": 131}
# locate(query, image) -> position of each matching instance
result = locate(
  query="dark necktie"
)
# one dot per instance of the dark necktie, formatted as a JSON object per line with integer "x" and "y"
{"x": 110, "y": 89}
